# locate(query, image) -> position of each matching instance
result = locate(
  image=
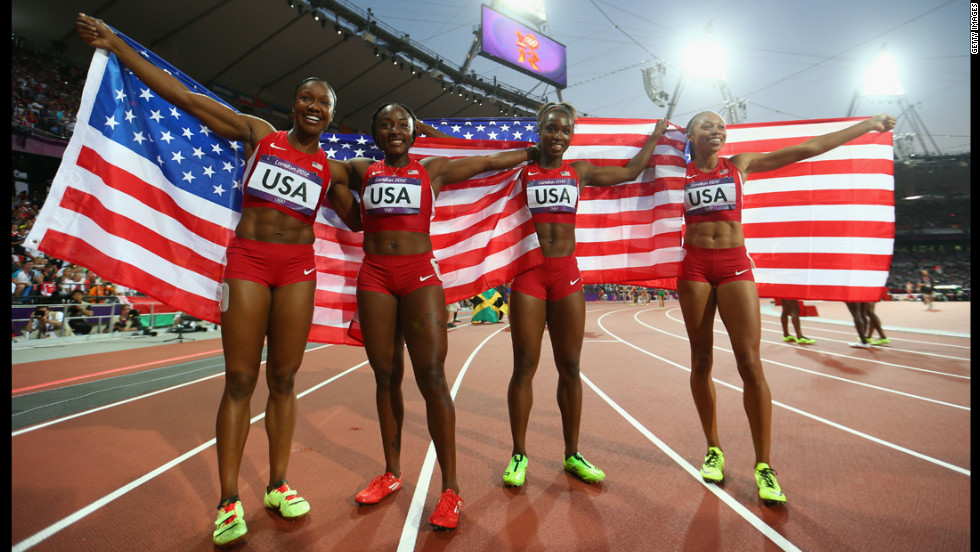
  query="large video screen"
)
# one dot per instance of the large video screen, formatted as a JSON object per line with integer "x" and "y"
{"x": 523, "y": 48}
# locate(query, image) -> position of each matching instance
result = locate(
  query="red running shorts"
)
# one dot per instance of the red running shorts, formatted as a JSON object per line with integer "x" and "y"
{"x": 716, "y": 266}
{"x": 555, "y": 278}
{"x": 270, "y": 264}
{"x": 398, "y": 275}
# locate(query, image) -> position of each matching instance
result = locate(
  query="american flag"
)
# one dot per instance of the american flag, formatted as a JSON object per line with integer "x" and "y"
{"x": 822, "y": 228}
{"x": 148, "y": 198}
{"x": 482, "y": 233}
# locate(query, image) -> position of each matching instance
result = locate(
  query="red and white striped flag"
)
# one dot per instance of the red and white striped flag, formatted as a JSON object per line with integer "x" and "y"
{"x": 148, "y": 198}
{"x": 483, "y": 236}
{"x": 823, "y": 228}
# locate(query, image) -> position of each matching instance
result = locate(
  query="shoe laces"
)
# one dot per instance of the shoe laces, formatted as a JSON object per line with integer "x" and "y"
{"x": 447, "y": 503}
{"x": 381, "y": 481}
{"x": 713, "y": 459}
{"x": 578, "y": 456}
{"x": 516, "y": 460}
{"x": 768, "y": 477}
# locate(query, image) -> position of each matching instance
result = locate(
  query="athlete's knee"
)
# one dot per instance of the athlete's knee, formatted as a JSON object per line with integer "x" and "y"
{"x": 239, "y": 385}
{"x": 568, "y": 369}
{"x": 431, "y": 379}
{"x": 281, "y": 382}
{"x": 701, "y": 360}
{"x": 750, "y": 369}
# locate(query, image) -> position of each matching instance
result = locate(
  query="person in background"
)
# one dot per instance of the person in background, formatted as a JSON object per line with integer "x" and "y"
{"x": 927, "y": 289}
{"x": 791, "y": 310}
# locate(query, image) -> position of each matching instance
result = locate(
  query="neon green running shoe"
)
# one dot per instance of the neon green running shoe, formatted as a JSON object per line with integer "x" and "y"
{"x": 882, "y": 341}
{"x": 230, "y": 525}
{"x": 714, "y": 462}
{"x": 789, "y": 339}
{"x": 805, "y": 341}
{"x": 286, "y": 502}
{"x": 581, "y": 468}
{"x": 769, "y": 490}
{"x": 516, "y": 471}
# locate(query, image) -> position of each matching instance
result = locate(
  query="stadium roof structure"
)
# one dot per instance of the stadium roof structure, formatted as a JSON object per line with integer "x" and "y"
{"x": 255, "y": 52}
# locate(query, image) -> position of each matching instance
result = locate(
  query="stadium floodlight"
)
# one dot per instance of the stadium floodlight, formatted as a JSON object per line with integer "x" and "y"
{"x": 881, "y": 78}
{"x": 531, "y": 10}
{"x": 704, "y": 58}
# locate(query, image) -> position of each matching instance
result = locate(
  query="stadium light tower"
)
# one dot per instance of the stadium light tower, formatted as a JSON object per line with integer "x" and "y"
{"x": 881, "y": 83}
{"x": 704, "y": 61}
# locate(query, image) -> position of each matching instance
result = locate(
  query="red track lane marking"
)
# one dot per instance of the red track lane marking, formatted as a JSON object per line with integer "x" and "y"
{"x": 133, "y": 367}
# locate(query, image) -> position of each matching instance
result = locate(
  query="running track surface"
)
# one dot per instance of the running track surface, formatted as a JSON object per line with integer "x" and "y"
{"x": 872, "y": 447}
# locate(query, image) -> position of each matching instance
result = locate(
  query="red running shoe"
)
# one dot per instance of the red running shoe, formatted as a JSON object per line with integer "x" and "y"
{"x": 446, "y": 515}
{"x": 378, "y": 488}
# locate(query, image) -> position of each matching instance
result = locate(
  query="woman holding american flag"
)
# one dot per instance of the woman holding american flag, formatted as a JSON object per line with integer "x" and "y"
{"x": 270, "y": 275}
{"x": 716, "y": 275}
{"x": 400, "y": 297}
{"x": 551, "y": 293}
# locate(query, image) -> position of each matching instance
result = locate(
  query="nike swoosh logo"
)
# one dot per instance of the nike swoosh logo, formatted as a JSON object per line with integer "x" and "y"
{"x": 424, "y": 278}
{"x": 572, "y": 283}
{"x": 277, "y": 147}
{"x": 740, "y": 272}
{"x": 308, "y": 272}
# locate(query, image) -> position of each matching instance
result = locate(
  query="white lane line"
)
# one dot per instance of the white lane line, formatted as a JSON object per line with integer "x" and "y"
{"x": 831, "y": 376}
{"x": 124, "y": 401}
{"x": 65, "y": 522}
{"x": 410, "y": 531}
{"x": 858, "y": 357}
{"x": 741, "y": 510}
{"x": 792, "y": 409}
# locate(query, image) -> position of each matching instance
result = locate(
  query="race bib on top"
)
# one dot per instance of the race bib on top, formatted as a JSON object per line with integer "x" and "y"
{"x": 552, "y": 195}
{"x": 392, "y": 195}
{"x": 708, "y": 196}
{"x": 279, "y": 181}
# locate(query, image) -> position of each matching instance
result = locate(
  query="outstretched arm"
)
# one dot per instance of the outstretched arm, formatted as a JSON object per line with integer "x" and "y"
{"x": 446, "y": 171}
{"x": 591, "y": 175}
{"x": 760, "y": 162}
{"x": 224, "y": 121}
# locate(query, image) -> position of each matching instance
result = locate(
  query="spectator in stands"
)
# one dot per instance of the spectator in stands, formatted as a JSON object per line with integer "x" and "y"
{"x": 27, "y": 279}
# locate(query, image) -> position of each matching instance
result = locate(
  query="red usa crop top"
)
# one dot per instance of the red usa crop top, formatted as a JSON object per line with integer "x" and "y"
{"x": 713, "y": 196}
{"x": 397, "y": 198}
{"x": 283, "y": 178}
{"x": 552, "y": 194}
